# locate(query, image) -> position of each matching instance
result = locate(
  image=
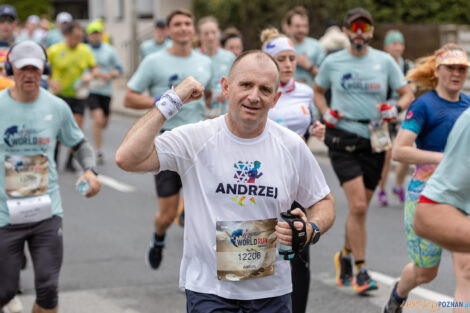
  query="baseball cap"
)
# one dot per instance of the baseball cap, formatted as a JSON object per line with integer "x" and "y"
{"x": 160, "y": 24}
{"x": 356, "y": 14}
{"x": 6, "y": 9}
{"x": 63, "y": 17}
{"x": 33, "y": 19}
{"x": 27, "y": 53}
{"x": 94, "y": 27}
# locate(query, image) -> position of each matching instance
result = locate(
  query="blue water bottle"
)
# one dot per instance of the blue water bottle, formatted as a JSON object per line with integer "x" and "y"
{"x": 82, "y": 187}
{"x": 286, "y": 252}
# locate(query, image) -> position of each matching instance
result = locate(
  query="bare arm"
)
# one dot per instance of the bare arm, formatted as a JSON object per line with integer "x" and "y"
{"x": 404, "y": 151}
{"x": 137, "y": 101}
{"x": 406, "y": 97}
{"x": 319, "y": 98}
{"x": 443, "y": 224}
{"x": 137, "y": 151}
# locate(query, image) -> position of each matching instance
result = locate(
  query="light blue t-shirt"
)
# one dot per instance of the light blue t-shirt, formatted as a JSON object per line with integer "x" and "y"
{"x": 358, "y": 84}
{"x": 150, "y": 46}
{"x": 160, "y": 71}
{"x": 315, "y": 54}
{"x": 54, "y": 36}
{"x": 107, "y": 60}
{"x": 450, "y": 183}
{"x": 221, "y": 64}
{"x": 32, "y": 129}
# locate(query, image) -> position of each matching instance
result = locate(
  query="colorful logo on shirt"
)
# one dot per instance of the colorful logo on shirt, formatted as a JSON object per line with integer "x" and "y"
{"x": 409, "y": 115}
{"x": 245, "y": 238}
{"x": 16, "y": 136}
{"x": 354, "y": 81}
{"x": 246, "y": 175}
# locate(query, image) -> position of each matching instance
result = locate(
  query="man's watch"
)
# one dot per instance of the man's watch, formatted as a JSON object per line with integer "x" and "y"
{"x": 93, "y": 170}
{"x": 316, "y": 234}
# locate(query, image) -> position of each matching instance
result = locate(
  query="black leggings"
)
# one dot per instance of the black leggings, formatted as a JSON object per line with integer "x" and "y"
{"x": 300, "y": 272}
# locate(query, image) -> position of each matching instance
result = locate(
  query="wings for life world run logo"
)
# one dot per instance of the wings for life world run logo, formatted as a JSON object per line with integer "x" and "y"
{"x": 358, "y": 82}
{"x": 16, "y": 136}
{"x": 246, "y": 175}
{"x": 245, "y": 238}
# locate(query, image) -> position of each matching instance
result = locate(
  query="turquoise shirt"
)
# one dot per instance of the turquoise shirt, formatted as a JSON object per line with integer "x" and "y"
{"x": 358, "y": 84}
{"x": 221, "y": 64}
{"x": 160, "y": 71}
{"x": 150, "y": 46}
{"x": 315, "y": 55}
{"x": 108, "y": 60}
{"x": 450, "y": 183}
{"x": 32, "y": 129}
{"x": 54, "y": 36}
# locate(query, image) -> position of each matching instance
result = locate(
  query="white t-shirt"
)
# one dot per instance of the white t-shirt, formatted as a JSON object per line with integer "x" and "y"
{"x": 227, "y": 178}
{"x": 294, "y": 109}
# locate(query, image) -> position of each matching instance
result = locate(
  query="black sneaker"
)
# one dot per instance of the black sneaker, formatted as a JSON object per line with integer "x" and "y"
{"x": 363, "y": 282}
{"x": 154, "y": 253}
{"x": 344, "y": 272}
{"x": 392, "y": 305}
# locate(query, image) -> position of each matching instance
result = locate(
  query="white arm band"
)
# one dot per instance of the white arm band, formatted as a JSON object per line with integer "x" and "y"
{"x": 169, "y": 104}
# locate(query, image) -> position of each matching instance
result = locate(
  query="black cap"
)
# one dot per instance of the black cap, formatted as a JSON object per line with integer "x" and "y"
{"x": 160, "y": 24}
{"x": 355, "y": 14}
{"x": 6, "y": 9}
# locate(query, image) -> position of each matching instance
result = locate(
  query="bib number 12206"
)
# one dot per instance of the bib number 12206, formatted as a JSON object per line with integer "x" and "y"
{"x": 249, "y": 256}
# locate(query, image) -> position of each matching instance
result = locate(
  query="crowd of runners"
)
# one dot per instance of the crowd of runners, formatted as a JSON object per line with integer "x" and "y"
{"x": 216, "y": 116}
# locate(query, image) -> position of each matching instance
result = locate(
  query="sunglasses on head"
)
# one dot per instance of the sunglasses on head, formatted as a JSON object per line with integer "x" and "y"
{"x": 7, "y": 18}
{"x": 363, "y": 26}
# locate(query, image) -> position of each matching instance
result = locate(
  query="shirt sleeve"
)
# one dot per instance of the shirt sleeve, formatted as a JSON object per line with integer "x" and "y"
{"x": 322, "y": 79}
{"x": 396, "y": 80}
{"x": 141, "y": 79}
{"x": 70, "y": 134}
{"x": 416, "y": 117}
{"x": 91, "y": 61}
{"x": 319, "y": 55}
{"x": 312, "y": 183}
{"x": 116, "y": 61}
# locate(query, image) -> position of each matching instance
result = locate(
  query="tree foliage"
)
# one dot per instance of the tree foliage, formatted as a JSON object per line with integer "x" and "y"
{"x": 26, "y": 8}
{"x": 252, "y": 16}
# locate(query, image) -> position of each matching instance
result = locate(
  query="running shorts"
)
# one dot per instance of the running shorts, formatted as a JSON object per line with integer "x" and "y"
{"x": 96, "y": 101}
{"x": 77, "y": 105}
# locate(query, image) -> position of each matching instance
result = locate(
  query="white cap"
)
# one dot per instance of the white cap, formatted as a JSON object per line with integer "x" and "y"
{"x": 33, "y": 19}
{"x": 27, "y": 53}
{"x": 63, "y": 17}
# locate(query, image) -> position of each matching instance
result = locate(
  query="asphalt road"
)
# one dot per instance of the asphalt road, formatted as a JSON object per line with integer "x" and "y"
{"x": 106, "y": 238}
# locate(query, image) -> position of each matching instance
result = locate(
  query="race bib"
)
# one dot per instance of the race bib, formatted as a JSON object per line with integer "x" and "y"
{"x": 29, "y": 210}
{"x": 379, "y": 136}
{"x": 97, "y": 84}
{"x": 26, "y": 175}
{"x": 245, "y": 249}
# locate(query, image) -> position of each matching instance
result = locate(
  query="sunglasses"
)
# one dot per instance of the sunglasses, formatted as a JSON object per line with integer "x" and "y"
{"x": 7, "y": 18}
{"x": 364, "y": 27}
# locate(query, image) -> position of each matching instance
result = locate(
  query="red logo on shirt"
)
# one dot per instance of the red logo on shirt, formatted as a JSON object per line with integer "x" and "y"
{"x": 409, "y": 115}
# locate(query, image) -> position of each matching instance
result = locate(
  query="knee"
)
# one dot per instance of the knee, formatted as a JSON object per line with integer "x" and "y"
{"x": 426, "y": 275}
{"x": 359, "y": 209}
{"x": 166, "y": 217}
{"x": 47, "y": 295}
{"x": 6, "y": 295}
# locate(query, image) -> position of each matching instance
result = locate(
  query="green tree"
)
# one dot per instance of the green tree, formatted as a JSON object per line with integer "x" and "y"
{"x": 26, "y": 8}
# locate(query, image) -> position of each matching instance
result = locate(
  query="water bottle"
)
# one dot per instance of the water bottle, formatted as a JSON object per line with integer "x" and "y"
{"x": 286, "y": 251}
{"x": 82, "y": 187}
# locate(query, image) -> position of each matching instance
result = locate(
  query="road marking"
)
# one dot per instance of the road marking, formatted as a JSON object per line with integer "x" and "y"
{"x": 113, "y": 183}
{"x": 419, "y": 291}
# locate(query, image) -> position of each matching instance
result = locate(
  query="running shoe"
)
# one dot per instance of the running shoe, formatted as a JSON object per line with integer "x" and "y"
{"x": 15, "y": 305}
{"x": 400, "y": 193}
{"x": 382, "y": 198}
{"x": 392, "y": 305}
{"x": 363, "y": 282}
{"x": 154, "y": 253}
{"x": 344, "y": 272}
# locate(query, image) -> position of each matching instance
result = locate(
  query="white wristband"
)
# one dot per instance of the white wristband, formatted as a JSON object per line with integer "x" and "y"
{"x": 169, "y": 104}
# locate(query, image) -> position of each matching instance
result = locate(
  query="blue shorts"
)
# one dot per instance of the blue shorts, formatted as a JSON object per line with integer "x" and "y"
{"x": 208, "y": 303}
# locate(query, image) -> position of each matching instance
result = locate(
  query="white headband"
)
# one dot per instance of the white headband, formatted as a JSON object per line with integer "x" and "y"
{"x": 277, "y": 45}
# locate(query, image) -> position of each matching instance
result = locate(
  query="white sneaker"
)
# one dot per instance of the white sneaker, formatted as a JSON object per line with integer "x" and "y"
{"x": 15, "y": 305}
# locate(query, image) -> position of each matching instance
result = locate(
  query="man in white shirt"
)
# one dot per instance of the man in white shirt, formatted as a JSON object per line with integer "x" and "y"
{"x": 234, "y": 189}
